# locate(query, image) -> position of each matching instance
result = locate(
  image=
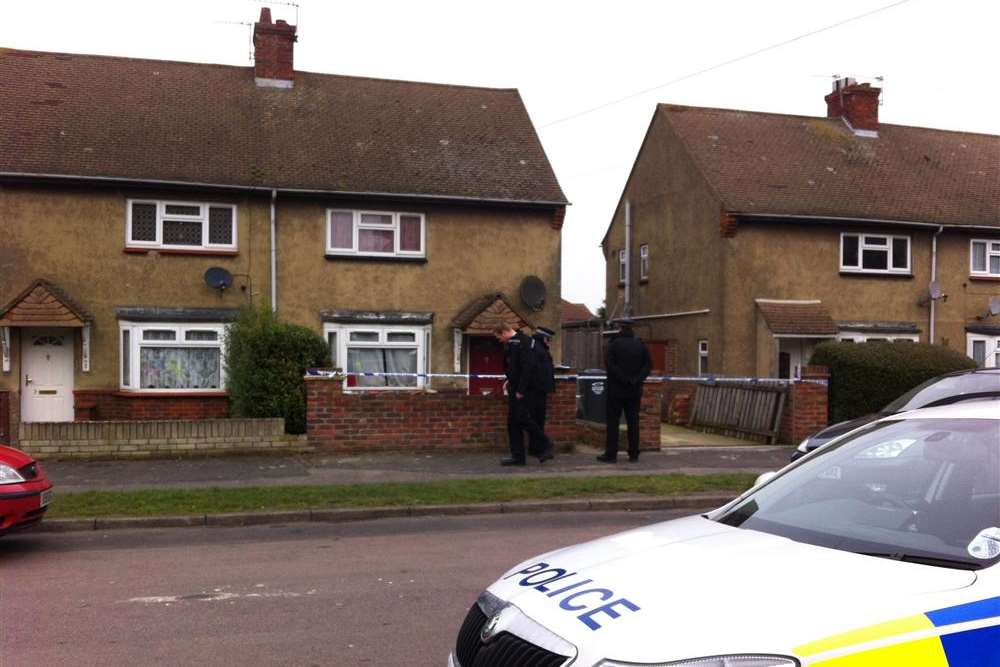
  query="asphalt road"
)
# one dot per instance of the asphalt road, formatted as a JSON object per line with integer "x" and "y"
{"x": 391, "y": 592}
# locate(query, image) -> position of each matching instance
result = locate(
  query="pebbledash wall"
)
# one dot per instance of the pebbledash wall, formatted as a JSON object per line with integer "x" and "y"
{"x": 354, "y": 421}
{"x": 157, "y": 439}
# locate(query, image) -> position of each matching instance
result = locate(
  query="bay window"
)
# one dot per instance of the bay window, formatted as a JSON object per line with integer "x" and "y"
{"x": 874, "y": 253}
{"x": 985, "y": 258}
{"x": 375, "y": 233}
{"x": 984, "y": 350}
{"x": 159, "y": 357}
{"x": 395, "y": 356}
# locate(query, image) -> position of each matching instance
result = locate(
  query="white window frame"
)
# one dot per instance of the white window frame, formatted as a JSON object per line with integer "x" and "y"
{"x": 161, "y": 216}
{"x": 622, "y": 266}
{"x": 421, "y": 338}
{"x": 990, "y": 252}
{"x": 992, "y": 358}
{"x": 644, "y": 261}
{"x": 888, "y": 249}
{"x": 136, "y": 343}
{"x": 864, "y": 337}
{"x": 357, "y": 225}
{"x": 703, "y": 354}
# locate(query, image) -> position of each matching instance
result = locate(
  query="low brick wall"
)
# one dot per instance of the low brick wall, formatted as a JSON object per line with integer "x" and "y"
{"x": 595, "y": 435}
{"x": 806, "y": 406}
{"x": 113, "y": 405}
{"x": 156, "y": 439}
{"x": 441, "y": 420}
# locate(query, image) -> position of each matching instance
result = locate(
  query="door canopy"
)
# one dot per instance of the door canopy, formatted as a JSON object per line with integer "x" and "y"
{"x": 43, "y": 305}
{"x": 483, "y": 314}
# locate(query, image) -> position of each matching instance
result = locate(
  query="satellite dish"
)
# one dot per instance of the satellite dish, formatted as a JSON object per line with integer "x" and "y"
{"x": 218, "y": 278}
{"x": 995, "y": 305}
{"x": 934, "y": 291}
{"x": 533, "y": 292}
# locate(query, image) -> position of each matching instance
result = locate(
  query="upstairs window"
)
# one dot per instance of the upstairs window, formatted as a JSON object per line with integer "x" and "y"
{"x": 180, "y": 225}
{"x": 622, "y": 266}
{"x": 874, "y": 253}
{"x": 985, "y": 258}
{"x": 644, "y": 261}
{"x": 375, "y": 233}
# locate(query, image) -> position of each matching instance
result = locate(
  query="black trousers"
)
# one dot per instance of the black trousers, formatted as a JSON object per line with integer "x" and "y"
{"x": 618, "y": 403}
{"x": 537, "y": 404}
{"x": 520, "y": 420}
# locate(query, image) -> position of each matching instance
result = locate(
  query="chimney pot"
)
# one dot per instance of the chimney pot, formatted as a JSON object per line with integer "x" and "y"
{"x": 274, "y": 45}
{"x": 856, "y": 103}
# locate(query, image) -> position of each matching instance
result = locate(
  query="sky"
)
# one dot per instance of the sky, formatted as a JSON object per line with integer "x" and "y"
{"x": 590, "y": 73}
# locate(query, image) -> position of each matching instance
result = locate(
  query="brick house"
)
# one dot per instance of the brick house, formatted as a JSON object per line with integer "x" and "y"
{"x": 372, "y": 211}
{"x": 744, "y": 239}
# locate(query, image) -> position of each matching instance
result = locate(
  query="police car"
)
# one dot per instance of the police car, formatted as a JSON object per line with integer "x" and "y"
{"x": 883, "y": 550}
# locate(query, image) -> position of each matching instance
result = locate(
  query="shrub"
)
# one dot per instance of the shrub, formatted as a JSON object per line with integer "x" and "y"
{"x": 266, "y": 360}
{"x": 864, "y": 377}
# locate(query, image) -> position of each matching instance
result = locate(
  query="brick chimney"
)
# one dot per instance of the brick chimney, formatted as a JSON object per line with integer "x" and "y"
{"x": 856, "y": 103}
{"x": 273, "y": 44}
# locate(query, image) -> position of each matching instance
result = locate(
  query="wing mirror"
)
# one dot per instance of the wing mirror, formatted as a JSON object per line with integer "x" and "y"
{"x": 985, "y": 545}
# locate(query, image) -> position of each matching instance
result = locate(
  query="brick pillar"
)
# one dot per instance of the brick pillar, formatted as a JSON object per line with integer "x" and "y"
{"x": 806, "y": 406}
{"x": 323, "y": 395}
{"x": 560, "y": 420}
{"x": 649, "y": 416}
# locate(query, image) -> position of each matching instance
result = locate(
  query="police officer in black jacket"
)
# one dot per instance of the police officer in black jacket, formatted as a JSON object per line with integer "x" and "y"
{"x": 538, "y": 393}
{"x": 519, "y": 367}
{"x": 628, "y": 365}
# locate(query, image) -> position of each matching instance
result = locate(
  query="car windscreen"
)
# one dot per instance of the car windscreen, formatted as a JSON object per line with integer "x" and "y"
{"x": 923, "y": 490}
{"x": 947, "y": 389}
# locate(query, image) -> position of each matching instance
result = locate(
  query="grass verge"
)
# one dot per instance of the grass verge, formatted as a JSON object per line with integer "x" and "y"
{"x": 162, "y": 502}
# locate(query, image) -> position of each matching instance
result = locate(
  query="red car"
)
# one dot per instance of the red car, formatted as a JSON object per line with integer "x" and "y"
{"x": 25, "y": 491}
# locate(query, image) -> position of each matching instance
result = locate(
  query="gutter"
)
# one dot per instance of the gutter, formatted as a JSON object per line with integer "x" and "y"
{"x": 836, "y": 220}
{"x": 274, "y": 254}
{"x": 628, "y": 258}
{"x": 302, "y": 191}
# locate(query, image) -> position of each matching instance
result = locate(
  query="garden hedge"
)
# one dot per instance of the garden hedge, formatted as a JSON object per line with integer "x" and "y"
{"x": 266, "y": 360}
{"x": 864, "y": 377}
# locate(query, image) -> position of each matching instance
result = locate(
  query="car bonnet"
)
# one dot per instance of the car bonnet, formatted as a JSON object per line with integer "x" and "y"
{"x": 14, "y": 458}
{"x": 694, "y": 587}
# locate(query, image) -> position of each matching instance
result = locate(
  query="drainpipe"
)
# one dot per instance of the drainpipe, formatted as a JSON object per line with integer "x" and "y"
{"x": 628, "y": 259}
{"x": 274, "y": 254}
{"x": 934, "y": 238}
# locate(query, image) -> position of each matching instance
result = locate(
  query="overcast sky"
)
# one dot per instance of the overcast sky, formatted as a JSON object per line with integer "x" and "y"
{"x": 939, "y": 61}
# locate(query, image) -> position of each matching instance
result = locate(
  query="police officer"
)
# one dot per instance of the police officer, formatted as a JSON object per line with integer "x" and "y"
{"x": 519, "y": 367}
{"x": 538, "y": 393}
{"x": 628, "y": 363}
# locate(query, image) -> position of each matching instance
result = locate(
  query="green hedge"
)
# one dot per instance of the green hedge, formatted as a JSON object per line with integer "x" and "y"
{"x": 266, "y": 360}
{"x": 864, "y": 377}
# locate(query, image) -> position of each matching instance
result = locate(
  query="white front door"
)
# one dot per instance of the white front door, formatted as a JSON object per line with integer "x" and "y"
{"x": 47, "y": 375}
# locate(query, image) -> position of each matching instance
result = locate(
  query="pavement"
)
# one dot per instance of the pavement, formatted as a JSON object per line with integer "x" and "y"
{"x": 325, "y": 468}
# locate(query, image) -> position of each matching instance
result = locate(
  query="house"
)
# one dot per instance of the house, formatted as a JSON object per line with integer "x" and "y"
{"x": 143, "y": 202}
{"x": 744, "y": 239}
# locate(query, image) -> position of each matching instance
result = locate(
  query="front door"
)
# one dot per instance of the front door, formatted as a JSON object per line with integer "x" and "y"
{"x": 486, "y": 357}
{"x": 47, "y": 375}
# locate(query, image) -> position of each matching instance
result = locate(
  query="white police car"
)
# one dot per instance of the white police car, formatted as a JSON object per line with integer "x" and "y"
{"x": 883, "y": 551}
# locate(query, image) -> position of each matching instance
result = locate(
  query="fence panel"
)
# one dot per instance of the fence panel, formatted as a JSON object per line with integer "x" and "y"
{"x": 748, "y": 408}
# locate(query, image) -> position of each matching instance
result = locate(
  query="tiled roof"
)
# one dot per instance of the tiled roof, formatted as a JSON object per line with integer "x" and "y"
{"x": 98, "y": 116}
{"x": 43, "y": 304}
{"x": 573, "y": 312}
{"x": 797, "y": 318}
{"x": 482, "y": 314}
{"x": 766, "y": 163}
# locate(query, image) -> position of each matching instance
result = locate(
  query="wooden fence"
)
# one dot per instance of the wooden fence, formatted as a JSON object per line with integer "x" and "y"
{"x": 742, "y": 408}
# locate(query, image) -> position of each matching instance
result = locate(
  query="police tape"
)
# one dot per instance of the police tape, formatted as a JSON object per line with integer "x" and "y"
{"x": 700, "y": 379}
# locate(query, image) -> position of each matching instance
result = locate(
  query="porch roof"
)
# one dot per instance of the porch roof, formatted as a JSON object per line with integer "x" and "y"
{"x": 481, "y": 315}
{"x": 43, "y": 304}
{"x": 797, "y": 318}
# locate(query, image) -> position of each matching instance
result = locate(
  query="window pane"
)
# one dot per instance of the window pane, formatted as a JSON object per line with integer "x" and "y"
{"x": 376, "y": 240}
{"x": 703, "y": 365}
{"x": 978, "y": 256}
{"x": 900, "y": 253}
{"x": 180, "y": 368}
{"x": 979, "y": 352}
{"x": 126, "y": 357}
{"x": 220, "y": 225}
{"x": 401, "y": 337}
{"x": 364, "y": 336}
{"x": 201, "y": 335}
{"x": 178, "y": 232}
{"x": 177, "y": 209}
{"x": 409, "y": 233}
{"x": 144, "y": 222}
{"x": 341, "y": 229}
{"x": 376, "y": 219}
{"x": 361, "y": 360}
{"x": 850, "y": 250}
{"x": 331, "y": 339}
{"x": 995, "y": 264}
{"x": 875, "y": 259}
{"x": 159, "y": 334}
{"x": 401, "y": 361}
{"x": 876, "y": 240}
